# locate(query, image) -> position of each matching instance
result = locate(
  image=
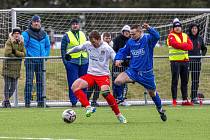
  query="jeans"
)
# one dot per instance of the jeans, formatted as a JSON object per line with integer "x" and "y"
{"x": 34, "y": 66}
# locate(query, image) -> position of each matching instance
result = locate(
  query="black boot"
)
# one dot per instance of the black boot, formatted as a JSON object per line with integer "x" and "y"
{"x": 6, "y": 104}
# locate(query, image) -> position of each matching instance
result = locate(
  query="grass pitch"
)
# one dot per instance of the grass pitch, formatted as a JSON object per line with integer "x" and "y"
{"x": 184, "y": 123}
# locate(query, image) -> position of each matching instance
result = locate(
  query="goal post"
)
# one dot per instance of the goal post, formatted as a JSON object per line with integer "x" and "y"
{"x": 113, "y": 19}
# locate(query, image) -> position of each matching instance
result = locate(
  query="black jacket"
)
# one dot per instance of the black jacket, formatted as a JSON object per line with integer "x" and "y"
{"x": 119, "y": 42}
{"x": 199, "y": 47}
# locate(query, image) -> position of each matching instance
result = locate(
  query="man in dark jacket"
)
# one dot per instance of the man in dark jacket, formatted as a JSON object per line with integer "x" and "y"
{"x": 195, "y": 63}
{"x": 119, "y": 42}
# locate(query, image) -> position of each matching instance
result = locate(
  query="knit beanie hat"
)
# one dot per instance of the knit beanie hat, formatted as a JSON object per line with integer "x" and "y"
{"x": 126, "y": 28}
{"x": 36, "y": 18}
{"x": 74, "y": 20}
{"x": 176, "y": 23}
{"x": 16, "y": 29}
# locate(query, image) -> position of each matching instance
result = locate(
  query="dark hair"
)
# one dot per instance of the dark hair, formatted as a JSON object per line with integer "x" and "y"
{"x": 106, "y": 34}
{"x": 138, "y": 27}
{"x": 94, "y": 34}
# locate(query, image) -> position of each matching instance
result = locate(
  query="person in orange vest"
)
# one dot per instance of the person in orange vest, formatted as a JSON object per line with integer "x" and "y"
{"x": 179, "y": 44}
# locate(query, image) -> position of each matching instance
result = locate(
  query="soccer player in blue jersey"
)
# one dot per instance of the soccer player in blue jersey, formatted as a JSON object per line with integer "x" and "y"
{"x": 140, "y": 47}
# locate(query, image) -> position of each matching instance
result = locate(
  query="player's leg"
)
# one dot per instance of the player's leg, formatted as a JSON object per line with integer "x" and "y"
{"x": 104, "y": 84}
{"x": 147, "y": 79}
{"x": 123, "y": 78}
{"x": 77, "y": 86}
{"x": 156, "y": 99}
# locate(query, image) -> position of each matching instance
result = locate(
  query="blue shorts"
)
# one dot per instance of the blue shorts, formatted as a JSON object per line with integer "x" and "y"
{"x": 145, "y": 78}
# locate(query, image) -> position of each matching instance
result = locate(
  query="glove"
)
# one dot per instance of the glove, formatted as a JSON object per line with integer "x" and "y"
{"x": 67, "y": 57}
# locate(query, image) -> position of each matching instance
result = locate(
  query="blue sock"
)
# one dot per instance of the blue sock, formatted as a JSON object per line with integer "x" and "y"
{"x": 157, "y": 100}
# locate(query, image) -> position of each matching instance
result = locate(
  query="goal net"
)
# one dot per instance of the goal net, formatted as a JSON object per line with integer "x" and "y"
{"x": 57, "y": 22}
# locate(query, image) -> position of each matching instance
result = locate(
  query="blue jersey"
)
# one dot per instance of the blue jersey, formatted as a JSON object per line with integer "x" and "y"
{"x": 141, "y": 51}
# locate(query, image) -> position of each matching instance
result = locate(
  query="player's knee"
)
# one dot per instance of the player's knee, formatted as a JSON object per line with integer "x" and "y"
{"x": 118, "y": 82}
{"x": 105, "y": 93}
{"x": 151, "y": 93}
{"x": 75, "y": 86}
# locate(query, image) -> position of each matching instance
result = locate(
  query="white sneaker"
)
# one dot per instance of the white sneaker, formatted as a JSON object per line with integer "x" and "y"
{"x": 90, "y": 110}
{"x": 121, "y": 119}
{"x": 124, "y": 103}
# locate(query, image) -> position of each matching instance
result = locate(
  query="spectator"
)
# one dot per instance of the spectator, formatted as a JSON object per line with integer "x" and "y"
{"x": 141, "y": 48}
{"x": 78, "y": 65}
{"x": 199, "y": 49}
{"x": 37, "y": 44}
{"x": 14, "y": 47}
{"x": 120, "y": 92}
{"x": 98, "y": 72}
{"x": 107, "y": 38}
{"x": 179, "y": 44}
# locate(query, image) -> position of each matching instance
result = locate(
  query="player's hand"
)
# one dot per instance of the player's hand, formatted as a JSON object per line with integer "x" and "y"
{"x": 67, "y": 57}
{"x": 146, "y": 26}
{"x": 118, "y": 63}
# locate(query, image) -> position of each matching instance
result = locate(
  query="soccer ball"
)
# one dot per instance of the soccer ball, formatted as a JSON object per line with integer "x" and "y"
{"x": 69, "y": 116}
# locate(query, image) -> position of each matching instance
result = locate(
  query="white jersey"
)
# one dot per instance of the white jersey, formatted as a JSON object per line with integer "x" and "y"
{"x": 98, "y": 57}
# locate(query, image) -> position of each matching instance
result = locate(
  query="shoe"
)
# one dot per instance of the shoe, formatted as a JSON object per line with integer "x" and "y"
{"x": 122, "y": 119}
{"x": 162, "y": 114}
{"x": 3, "y": 104}
{"x": 27, "y": 105}
{"x": 119, "y": 101}
{"x": 40, "y": 105}
{"x": 195, "y": 101}
{"x": 124, "y": 103}
{"x": 94, "y": 104}
{"x": 73, "y": 105}
{"x": 90, "y": 110}
{"x": 174, "y": 102}
{"x": 186, "y": 103}
{"x": 6, "y": 104}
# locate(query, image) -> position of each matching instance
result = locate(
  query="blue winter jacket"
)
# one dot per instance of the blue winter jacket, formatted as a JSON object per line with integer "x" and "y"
{"x": 140, "y": 50}
{"x": 37, "y": 43}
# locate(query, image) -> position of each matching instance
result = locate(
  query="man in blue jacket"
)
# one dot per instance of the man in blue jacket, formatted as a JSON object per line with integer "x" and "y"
{"x": 140, "y": 47}
{"x": 37, "y": 44}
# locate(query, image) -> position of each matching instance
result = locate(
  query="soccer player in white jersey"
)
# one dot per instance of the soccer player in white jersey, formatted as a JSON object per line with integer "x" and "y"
{"x": 98, "y": 72}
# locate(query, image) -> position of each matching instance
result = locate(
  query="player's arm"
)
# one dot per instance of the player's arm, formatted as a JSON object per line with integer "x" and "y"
{"x": 74, "y": 50}
{"x": 122, "y": 54}
{"x": 77, "y": 48}
{"x": 154, "y": 35}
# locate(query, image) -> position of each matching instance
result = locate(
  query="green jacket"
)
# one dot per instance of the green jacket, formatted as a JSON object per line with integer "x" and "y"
{"x": 12, "y": 67}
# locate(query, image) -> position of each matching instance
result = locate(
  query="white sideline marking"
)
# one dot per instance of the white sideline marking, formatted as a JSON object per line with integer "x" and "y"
{"x": 24, "y": 138}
